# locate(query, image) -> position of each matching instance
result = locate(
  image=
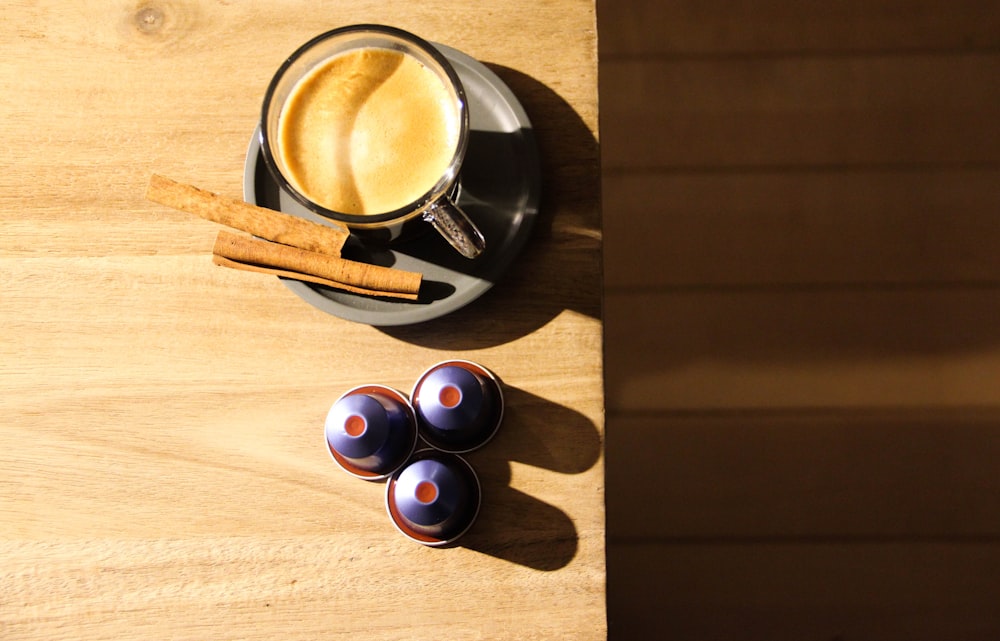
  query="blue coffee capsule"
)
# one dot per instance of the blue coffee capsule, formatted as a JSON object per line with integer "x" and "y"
{"x": 435, "y": 498}
{"x": 459, "y": 406}
{"x": 371, "y": 431}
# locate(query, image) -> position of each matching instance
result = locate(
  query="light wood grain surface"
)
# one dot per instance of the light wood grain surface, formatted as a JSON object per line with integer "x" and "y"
{"x": 162, "y": 468}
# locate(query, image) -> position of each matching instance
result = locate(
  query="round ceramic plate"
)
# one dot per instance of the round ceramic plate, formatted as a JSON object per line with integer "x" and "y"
{"x": 500, "y": 186}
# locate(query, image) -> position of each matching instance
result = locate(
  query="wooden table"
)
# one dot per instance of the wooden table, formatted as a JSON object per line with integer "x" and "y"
{"x": 162, "y": 468}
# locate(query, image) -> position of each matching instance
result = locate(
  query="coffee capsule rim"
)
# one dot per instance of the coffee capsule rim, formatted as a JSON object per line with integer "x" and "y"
{"x": 397, "y": 519}
{"x": 492, "y": 379}
{"x": 396, "y": 395}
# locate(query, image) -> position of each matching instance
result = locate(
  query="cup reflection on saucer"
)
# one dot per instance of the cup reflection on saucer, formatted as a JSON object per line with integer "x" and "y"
{"x": 459, "y": 406}
{"x": 371, "y": 431}
{"x": 434, "y": 499}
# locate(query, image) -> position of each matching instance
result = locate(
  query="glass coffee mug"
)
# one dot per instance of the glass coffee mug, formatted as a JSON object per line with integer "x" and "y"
{"x": 368, "y": 125}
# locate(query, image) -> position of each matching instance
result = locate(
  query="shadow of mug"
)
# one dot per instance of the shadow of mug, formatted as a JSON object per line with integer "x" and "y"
{"x": 560, "y": 266}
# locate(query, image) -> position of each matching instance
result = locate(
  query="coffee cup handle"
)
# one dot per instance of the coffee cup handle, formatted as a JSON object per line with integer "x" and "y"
{"x": 452, "y": 223}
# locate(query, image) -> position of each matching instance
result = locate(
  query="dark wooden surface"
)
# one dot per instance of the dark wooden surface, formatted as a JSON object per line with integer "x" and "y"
{"x": 802, "y": 271}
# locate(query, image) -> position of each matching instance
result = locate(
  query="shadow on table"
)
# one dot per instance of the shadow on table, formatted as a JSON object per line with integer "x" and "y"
{"x": 559, "y": 267}
{"x": 512, "y": 525}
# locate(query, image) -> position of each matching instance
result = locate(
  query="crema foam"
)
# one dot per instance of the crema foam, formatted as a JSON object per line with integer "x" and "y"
{"x": 368, "y": 131}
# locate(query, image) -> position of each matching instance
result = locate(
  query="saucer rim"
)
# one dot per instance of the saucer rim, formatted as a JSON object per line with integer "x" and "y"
{"x": 469, "y": 286}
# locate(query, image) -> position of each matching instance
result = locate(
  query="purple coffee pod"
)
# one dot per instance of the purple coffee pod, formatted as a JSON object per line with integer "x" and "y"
{"x": 459, "y": 406}
{"x": 371, "y": 431}
{"x": 434, "y": 499}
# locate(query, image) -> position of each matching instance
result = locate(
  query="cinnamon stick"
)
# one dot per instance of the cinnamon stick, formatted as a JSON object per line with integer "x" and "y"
{"x": 260, "y": 255}
{"x": 259, "y": 221}
{"x": 222, "y": 261}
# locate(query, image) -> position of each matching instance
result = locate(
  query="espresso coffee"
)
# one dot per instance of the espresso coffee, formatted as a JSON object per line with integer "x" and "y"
{"x": 368, "y": 131}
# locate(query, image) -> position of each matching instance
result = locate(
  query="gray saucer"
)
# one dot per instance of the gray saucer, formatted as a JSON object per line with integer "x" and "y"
{"x": 500, "y": 187}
